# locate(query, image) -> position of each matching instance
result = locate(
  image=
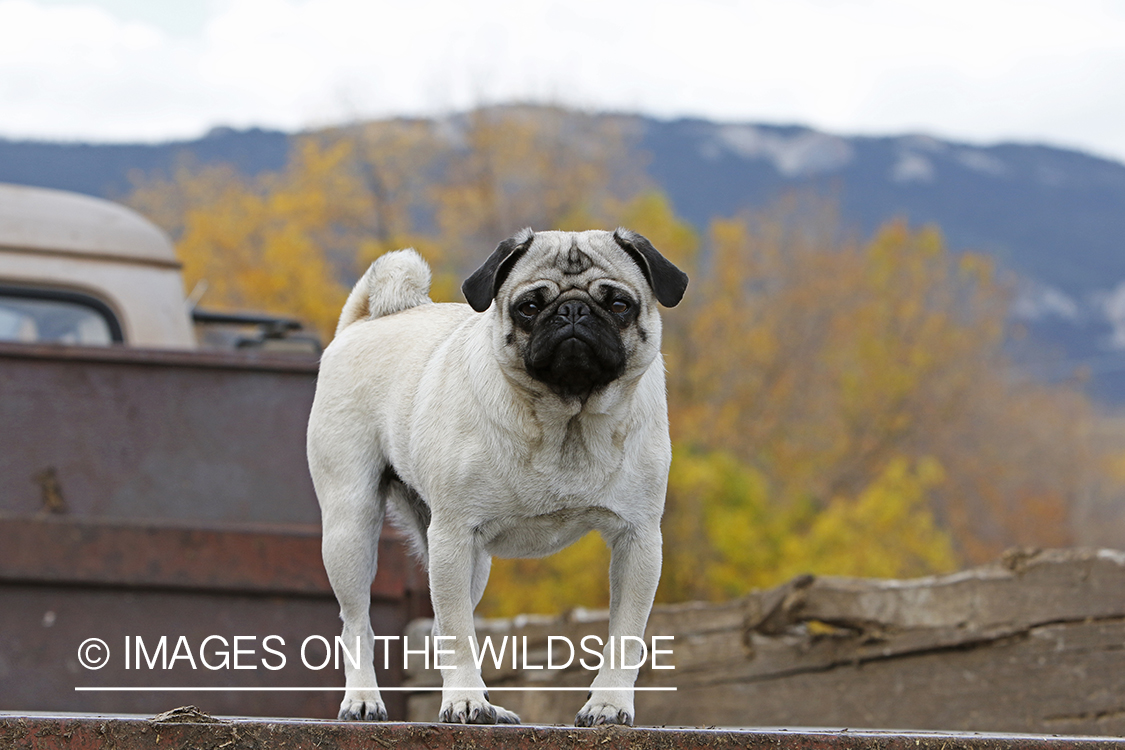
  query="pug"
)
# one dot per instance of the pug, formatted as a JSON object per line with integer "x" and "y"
{"x": 510, "y": 427}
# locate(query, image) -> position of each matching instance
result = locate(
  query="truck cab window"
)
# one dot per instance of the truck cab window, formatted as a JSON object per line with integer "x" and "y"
{"x": 29, "y": 315}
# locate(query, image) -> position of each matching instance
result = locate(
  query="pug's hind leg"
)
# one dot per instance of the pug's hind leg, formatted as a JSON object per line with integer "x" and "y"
{"x": 352, "y": 519}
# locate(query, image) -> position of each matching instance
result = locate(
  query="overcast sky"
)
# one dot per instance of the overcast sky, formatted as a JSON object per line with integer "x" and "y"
{"x": 982, "y": 71}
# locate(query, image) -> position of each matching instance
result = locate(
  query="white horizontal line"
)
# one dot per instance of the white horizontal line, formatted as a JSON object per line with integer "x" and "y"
{"x": 419, "y": 689}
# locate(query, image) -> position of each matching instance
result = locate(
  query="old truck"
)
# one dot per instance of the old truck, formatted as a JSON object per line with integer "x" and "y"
{"x": 154, "y": 499}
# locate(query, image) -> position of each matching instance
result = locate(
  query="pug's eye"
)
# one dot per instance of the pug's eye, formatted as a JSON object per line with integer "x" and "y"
{"x": 528, "y": 309}
{"x": 619, "y": 306}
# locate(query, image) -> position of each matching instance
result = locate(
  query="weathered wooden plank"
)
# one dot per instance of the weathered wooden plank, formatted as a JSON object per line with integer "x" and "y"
{"x": 1062, "y": 679}
{"x": 1035, "y": 643}
{"x": 1056, "y": 679}
{"x": 1024, "y": 590}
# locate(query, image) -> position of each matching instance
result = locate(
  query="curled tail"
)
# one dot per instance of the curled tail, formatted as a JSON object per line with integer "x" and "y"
{"x": 396, "y": 281}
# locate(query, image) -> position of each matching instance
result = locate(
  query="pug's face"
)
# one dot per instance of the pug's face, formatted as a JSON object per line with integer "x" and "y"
{"x": 576, "y": 311}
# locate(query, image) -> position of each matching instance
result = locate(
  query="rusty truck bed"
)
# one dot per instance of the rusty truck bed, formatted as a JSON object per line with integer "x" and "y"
{"x": 200, "y": 731}
{"x": 158, "y": 494}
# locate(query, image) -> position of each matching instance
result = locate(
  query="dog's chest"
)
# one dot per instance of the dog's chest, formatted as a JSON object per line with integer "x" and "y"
{"x": 585, "y": 451}
{"x": 563, "y": 492}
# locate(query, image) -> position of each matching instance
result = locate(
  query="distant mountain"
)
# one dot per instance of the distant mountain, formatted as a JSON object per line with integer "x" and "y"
{"x": 1055, "y": 217}
{"x": 104, "y": 169}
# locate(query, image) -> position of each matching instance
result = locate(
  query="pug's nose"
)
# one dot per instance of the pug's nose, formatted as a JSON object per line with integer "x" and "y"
{"x": 573, "y": 311}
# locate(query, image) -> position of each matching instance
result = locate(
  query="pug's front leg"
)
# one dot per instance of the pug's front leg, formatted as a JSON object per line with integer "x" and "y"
{"x": 634, "y": 572}
{"x": 453, "y": 560}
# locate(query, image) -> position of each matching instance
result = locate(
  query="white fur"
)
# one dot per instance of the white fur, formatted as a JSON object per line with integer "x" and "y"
{"x": 396, "y": 281}
{"x": 506, "y": 468}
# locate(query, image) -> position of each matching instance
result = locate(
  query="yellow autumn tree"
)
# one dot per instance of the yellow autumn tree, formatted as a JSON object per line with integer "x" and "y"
{"x": 839, "y": 405}
{"x": 856, "y": 398}
{"x": 291, "y": 242}
{"x": 539, "y": 167}
{"x": 263, "y": 245}
{"x": 725, "y": 535}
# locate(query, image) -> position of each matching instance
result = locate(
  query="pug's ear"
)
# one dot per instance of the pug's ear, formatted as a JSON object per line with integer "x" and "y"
{"x": 668, "y": 282}
{"x": 481, "y": 288}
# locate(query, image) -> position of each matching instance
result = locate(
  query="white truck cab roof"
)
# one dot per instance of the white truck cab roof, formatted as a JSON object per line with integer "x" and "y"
{"x": 82, "y": 270}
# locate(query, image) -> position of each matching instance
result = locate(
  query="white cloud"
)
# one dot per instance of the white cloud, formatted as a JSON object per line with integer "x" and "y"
{"x": 69, "y": 72}
{"x": 979, "y": 70}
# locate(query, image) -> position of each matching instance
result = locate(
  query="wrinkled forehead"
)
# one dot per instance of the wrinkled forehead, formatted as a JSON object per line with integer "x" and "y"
{"x": 580, "y": 260}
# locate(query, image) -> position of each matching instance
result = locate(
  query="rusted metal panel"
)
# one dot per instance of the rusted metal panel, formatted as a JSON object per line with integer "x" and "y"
{"x": 44, "y": 626}
{"x": 163, "y": 494}
{"x": 152, "y": 435}
{"x": 281, "y": 560}
{"x": 188, "y": 729}
{"x": 246, "y": 360}
{"x": 64, "y": 581}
